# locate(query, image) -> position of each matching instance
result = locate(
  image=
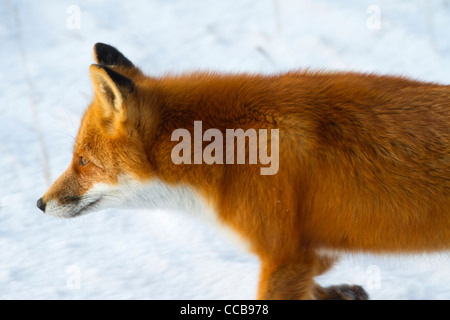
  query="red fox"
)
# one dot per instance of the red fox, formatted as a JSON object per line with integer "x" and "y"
{"x": 362, "y": 162}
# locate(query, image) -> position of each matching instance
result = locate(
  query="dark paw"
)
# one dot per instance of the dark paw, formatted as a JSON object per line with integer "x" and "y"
{"x": 345, "y": 292}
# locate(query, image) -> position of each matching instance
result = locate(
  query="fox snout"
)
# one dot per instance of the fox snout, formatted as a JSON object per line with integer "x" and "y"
{"x": 41, "y": 204}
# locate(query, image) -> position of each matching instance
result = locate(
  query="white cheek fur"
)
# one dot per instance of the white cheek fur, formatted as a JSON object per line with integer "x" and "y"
{"x": 130, "y": 193}
{"x": 153, "y": 194}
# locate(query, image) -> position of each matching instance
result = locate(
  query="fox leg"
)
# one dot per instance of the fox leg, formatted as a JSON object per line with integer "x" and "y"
{"x": 294, "y": 280}
{"x": 290, "y": 280}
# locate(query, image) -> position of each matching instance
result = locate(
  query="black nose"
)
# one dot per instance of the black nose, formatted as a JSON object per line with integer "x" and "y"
{"x": 41, "y": 204}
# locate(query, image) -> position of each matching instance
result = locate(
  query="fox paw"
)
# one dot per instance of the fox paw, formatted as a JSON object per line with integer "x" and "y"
{"x": 344, "y": 292}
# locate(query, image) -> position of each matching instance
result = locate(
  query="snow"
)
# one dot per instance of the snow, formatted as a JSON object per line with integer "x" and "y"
{"x": 46, "y": 50}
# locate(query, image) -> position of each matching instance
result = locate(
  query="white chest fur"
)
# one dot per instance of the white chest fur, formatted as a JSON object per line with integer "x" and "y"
{"x": 155, "y": 194}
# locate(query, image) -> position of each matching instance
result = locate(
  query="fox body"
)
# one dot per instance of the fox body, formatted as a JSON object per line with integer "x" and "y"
{"x": 364, "y": 163}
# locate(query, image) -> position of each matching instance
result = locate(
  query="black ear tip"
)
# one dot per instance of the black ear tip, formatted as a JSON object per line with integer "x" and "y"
{"x": 98, "y": 47}
{"x": 101, "y": 48}
{"x": 100, "y": 44}
{"x": 108, "y": 55}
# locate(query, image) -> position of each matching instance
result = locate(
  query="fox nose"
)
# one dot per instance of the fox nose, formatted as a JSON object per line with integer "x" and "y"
{"x": 41, "y": 204}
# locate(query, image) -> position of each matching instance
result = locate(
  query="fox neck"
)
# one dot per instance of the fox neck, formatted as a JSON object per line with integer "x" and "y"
{"x": 156, "y": 194}
{"x": 153, "y": 194}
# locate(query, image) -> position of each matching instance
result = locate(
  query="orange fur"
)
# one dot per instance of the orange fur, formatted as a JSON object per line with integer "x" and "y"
{"x": 364, "y": 162}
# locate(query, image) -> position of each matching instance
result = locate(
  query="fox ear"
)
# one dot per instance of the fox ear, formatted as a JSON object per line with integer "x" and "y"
{"x": 110, "y": 56}
{"x": 112, "y": 89}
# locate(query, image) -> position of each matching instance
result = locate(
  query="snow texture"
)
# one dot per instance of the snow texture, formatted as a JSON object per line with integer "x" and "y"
{"x": 45, "y": 53}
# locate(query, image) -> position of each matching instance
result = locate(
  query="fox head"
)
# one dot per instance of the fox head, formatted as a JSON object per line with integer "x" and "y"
{"x": 123, "y": 153}
{"x": 109, "y": 150}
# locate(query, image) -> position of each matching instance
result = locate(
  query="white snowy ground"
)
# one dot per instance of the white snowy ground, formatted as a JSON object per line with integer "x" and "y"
{"x": 45, "y": 53}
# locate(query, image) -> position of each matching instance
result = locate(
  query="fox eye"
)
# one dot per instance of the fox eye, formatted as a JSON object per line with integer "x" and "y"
{"x": 83, "y": 161}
